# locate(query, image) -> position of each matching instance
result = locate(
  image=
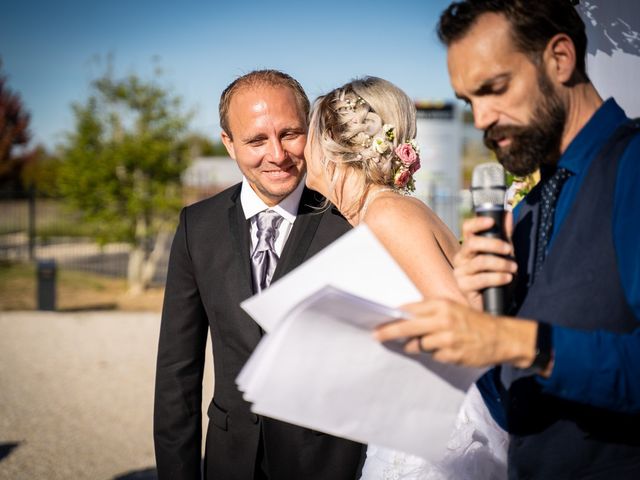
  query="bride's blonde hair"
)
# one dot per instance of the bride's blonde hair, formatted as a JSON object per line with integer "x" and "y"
{"x": 346, "y": 121}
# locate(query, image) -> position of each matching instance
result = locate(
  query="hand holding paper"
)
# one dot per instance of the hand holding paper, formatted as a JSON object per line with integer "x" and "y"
{"x": 320, "y": 366}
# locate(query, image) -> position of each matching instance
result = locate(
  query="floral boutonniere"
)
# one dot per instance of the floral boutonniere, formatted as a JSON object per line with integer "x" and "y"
{"x": 519, "y": 188}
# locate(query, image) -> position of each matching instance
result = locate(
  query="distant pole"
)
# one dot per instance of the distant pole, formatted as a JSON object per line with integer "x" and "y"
{"x": 32, "y": 222}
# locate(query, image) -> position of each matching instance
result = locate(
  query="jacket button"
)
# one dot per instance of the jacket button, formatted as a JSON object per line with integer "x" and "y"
{"x": 254, "y": 418}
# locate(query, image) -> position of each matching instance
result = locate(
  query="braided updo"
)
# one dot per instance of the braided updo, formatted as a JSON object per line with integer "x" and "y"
{"x": 349, "y": 120}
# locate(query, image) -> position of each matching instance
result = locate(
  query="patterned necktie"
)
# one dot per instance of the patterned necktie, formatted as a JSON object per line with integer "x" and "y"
{"x": 264, "y": 258}
{"x": 549, "y": 197}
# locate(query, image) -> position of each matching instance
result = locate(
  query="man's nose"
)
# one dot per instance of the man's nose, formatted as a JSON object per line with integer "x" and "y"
{"x": 484, "y": 115}
{"x": 278, "y": 153}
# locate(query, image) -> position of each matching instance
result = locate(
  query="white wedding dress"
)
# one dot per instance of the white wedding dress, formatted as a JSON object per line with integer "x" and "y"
{"x": 477, "y": 450}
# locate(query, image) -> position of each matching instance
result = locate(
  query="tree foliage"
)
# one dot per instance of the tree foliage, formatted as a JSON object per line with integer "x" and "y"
{"x": 203, "y": 146}
{"x": 122, "y": 164}
{"x": 14, "y": 135}
{"x": 41, "y": 172}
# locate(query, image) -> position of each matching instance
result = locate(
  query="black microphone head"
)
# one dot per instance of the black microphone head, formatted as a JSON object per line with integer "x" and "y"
{"x": 488, "y": 186}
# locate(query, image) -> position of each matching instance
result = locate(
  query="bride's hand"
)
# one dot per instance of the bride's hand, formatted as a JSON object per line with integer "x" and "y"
{"x": 481, "y": 262}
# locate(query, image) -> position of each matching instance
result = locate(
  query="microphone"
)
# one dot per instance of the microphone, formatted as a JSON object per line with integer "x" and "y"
{"x": 488, "y": 190}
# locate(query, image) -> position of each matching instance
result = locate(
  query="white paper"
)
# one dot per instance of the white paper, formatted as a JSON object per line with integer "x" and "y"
{"x": 320, "y": 367}
{"x": 356, "y": 263}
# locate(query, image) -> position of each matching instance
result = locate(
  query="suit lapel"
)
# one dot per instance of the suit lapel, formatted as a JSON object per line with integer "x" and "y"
{"x": 524, "y": 242}
{"x": 241, "y": 244}
{"x": 302, "y": 233}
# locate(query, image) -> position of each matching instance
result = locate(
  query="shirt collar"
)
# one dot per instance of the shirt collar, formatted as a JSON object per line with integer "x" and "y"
{"x": 252, "y": 204}
{"x": 592, "y": 137}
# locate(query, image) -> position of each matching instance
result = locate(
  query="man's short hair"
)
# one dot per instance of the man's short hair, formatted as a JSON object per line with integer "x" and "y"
{"x": 261, "y": 78}
{"x": 533, "y": 24}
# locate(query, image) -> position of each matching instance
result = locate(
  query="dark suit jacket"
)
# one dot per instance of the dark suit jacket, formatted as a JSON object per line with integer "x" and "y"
{"x": 209, "y": 275}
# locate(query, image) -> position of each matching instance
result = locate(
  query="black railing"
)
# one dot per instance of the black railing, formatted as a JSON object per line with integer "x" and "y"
{"x": 33, "y": 229}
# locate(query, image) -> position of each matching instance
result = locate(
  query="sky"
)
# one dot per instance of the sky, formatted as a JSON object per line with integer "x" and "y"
{"x": 52, "y": 50}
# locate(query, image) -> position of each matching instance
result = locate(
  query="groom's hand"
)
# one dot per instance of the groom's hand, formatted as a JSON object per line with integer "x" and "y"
{"x": 483, "y": 262}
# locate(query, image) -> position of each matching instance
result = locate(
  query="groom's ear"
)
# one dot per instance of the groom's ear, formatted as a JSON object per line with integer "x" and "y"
{"x": 228, "y": 144}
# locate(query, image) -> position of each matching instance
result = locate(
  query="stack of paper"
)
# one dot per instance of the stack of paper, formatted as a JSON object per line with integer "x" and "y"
{"x": 320, "y": 367}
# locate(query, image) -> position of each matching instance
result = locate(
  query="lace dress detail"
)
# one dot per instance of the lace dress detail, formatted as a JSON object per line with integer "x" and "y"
{"x": 477, "y": 449}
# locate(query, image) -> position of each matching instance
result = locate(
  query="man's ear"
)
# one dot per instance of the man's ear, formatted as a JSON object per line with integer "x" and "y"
{"x": 228, "y": 144}
{"x": 560, "y": 58}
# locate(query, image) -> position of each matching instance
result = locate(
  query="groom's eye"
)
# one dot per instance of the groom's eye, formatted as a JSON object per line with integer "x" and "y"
{"x": 256, "y": 141}
{"x": 291, "y": 135}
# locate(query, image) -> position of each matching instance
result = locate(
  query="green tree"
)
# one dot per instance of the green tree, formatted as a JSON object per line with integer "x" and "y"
{"x": 121, "y": 166}
{"x": 202, "y": 146}
{"x": 41, "y": 172}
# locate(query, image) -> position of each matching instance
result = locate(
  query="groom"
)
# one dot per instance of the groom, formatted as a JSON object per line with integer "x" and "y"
{"x": 226, "y": 249}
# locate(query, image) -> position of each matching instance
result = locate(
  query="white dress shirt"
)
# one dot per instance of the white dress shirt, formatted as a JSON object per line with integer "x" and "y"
{"x": 252, "y": 205}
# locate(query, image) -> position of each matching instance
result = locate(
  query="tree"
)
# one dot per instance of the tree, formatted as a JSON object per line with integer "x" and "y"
{"x": 14, "y": 135}
{"x": 41, "y": 172}
{"x": 121, "y": 166}
{"x": 202, "y": 146}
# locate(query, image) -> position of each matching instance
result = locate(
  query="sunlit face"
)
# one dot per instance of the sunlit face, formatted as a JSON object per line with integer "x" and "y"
{"x": 512, "y": 99}
{"x": 268, "y": 136}
{"x": 316, "y": 176}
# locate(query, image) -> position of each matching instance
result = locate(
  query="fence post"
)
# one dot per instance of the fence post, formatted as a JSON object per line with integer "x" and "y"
{"x": 46, "y": 272}
{"x": 32, "y": 222}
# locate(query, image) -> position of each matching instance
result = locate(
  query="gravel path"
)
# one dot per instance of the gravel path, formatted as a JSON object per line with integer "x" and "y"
{"x": 76, "y": 395}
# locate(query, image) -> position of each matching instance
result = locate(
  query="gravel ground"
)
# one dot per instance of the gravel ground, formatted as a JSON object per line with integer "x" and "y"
{"x": 76, "y": 395}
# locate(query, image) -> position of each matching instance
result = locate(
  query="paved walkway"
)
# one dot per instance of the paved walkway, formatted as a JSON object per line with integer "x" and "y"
{"x": 76, "y": 395}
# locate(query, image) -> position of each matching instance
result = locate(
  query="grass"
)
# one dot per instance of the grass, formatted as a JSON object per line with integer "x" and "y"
{"x": 75, "y": 291}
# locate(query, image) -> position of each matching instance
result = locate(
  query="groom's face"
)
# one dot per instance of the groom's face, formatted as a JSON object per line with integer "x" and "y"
{"x": 268, "y": 132}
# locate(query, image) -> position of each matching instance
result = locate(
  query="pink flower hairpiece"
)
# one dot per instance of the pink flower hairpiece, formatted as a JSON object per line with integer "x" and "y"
{"x": 405, "y": 158}
{"x": 408, "y": 154}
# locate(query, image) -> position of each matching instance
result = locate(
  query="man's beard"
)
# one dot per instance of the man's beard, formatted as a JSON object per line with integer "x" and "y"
{"x": 534, "y": 144}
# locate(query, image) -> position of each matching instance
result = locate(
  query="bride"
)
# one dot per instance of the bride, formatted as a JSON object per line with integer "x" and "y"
{"x": 361, "y": 155}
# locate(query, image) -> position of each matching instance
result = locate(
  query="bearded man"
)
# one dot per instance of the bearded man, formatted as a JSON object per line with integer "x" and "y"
{"x": 569, "y": 387}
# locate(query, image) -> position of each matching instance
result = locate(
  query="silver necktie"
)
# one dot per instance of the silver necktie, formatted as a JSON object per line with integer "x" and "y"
{"x": 264, "y": 257}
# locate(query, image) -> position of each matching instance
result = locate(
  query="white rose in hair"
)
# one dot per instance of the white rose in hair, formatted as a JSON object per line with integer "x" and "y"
{"x": 380, "y": 145}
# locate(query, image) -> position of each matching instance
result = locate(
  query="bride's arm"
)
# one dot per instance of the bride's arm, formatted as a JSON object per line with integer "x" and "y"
{"x": 421, "y": 244}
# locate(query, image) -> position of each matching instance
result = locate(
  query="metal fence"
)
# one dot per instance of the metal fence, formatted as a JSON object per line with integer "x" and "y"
{"x": 33, "y": 229}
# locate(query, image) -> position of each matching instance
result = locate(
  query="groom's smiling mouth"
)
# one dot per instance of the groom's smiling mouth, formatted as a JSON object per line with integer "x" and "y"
{"x": 279, "y": 173}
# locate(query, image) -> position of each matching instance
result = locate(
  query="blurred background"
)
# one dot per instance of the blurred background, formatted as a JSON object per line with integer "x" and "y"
{"x": 109, "y": 125}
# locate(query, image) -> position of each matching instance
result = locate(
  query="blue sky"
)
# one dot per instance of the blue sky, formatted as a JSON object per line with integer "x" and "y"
{"x": 49, "y": 49}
